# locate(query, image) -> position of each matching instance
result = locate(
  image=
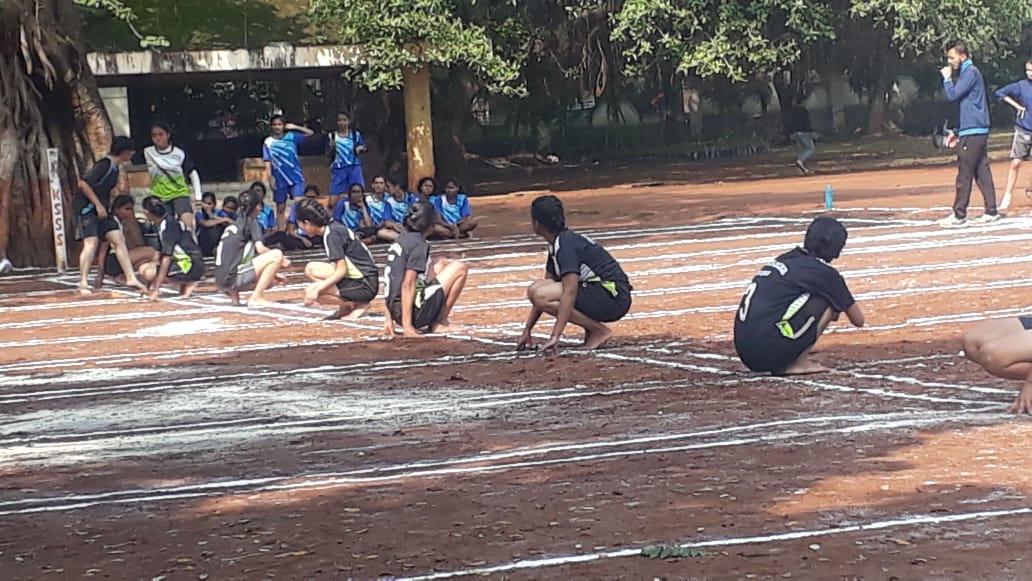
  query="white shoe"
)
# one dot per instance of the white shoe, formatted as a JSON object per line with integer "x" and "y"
{"x": 986, "y": 219}
{"x": 952, "y": 221}
{"x": 5, "y": 266}
{"x": 1005, "y": 202}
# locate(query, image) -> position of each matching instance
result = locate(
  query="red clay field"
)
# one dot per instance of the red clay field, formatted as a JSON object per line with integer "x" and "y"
{"x": 187, "y": 439}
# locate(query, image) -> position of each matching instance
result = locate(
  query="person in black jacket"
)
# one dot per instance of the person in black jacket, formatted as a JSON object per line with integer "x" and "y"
{"x": 800, "y": 129}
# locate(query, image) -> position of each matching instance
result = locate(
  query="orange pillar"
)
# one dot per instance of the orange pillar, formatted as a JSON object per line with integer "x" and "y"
{"x": 419, "y": 135}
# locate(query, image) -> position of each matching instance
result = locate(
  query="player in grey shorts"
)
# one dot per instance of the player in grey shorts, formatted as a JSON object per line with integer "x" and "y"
{"x": 1018, "y": 95}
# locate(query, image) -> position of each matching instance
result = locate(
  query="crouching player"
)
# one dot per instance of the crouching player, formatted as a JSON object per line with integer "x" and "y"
{"x": 242, "y": 260}
{"x": 181, "y": 258}
{"x": 1004, "y": 348}
{"x": 792, "y": 301}
{"x": 420, "y": 295}
{"x": 139, "y": 253}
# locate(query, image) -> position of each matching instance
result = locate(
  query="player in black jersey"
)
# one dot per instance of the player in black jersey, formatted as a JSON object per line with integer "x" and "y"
{"x": 583, "y": 284}
{"x": 792, "y": 301}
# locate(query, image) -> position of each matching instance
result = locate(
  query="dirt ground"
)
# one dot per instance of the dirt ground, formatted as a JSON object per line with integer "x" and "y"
{"x": 188, "y": 439}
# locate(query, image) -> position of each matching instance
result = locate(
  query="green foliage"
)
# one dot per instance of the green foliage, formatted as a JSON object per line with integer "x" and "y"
{"x": 192, "y": 24}
{"x": 488, "y": 38}
{"x": 720, "y": 37}
{"x": 918, "y": 27}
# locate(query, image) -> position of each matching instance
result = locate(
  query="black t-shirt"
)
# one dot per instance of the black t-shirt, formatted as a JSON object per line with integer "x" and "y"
{"x": 799, "y": 120}
{"x": 102, "y": 178}
{"x": 177, "y": 242}
{"x": 574, "y": 253}
{"x": 342, "y": 244}
{"x": 779, "y": 284}
{"x": 236, "y": 249}
{"x": 409, "y": 252}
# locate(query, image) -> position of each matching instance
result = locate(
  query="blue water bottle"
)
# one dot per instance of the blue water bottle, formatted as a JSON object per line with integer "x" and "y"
{"x": 829, "y": 197}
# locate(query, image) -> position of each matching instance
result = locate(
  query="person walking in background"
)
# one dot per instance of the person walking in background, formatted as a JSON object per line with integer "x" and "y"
{"x": 345, "y": 145}
{"x": 968, "y": 89}
{"x": 1018, "y": 95}
{"x": 283, "y": 166}
{"x": 800, "y": 129}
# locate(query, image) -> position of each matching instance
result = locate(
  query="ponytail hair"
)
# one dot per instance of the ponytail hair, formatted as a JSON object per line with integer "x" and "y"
{"x": 310, "y": 210}
{"x": 548, "y": 212}
{"x": 153, "y": 205}
{"x": 420, "y": 217}
{"x": 249, "y": 200}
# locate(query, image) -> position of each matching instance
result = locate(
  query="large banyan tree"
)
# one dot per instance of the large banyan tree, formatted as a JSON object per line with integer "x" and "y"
{"x": 48, "y": 99}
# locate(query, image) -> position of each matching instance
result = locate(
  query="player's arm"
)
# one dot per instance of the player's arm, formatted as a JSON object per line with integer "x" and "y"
{"x": 366, "y": 220}
{"x": 159, "y": 279}
{"x": 856, "y": 315}
{"x": 408, "y": 303}
{"x": 300, "y": 129}
{"x": 87, "y": 191}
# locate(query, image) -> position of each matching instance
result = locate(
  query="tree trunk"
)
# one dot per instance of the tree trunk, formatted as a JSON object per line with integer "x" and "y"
{"x": 49, "y": 100}
{"x": 453, "y": 100}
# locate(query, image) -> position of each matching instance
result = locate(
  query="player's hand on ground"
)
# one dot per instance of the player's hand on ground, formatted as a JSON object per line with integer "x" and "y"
{"x": 153, "y": 295}
{"x": 1023, "y": 403}
{"x": 551, "y": 347}
{"x": 526, "y": 342}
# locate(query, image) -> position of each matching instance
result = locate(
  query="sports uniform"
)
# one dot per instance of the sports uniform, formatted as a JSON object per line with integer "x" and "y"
{"x": 398, "y": 208}
{"x": 86, "y": 223}
{"x": 412, "y": 252}
{"x": 379, "y": 211}
{"x": 779, "y": 315}
{"x": 187, "y": 262}
{"x": 169, "y": 170}
{"x": 234, "y": 269}
{"x": 362, "y": 281}
{"x": 452, "y": 212}
{"x": 281, "y": 153}
{"x": 352, "y": 218}
{"x": 346, "y": 168}
{"x": 604, "y": 294}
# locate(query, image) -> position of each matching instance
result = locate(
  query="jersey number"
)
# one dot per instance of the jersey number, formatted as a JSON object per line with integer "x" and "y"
{"x": 743, "y": 311}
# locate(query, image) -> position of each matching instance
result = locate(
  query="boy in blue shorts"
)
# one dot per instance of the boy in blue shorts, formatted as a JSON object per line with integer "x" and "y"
{"x": 282, "y": 164}
{"x": 345, "y": 145}
{"x": 791, "y": 302}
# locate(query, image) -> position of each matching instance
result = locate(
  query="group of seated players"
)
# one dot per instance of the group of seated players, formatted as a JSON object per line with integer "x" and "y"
{"x": 785, "y": 309}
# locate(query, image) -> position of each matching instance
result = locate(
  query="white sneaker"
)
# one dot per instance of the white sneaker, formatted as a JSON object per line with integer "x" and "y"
{"x": 5, "y": 266}
{"x": 986, "y": 219}
{"x": 952, "y": 221}
{"x": 1005, "y": 202}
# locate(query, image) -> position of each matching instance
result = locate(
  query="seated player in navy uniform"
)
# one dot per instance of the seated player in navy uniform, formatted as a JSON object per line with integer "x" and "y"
{"x": 791, "y": 302}
{"x": 583, "y": 284}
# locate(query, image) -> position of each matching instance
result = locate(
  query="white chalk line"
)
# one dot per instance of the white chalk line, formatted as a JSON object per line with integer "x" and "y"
{"x": 842, "y": 529}
{"x": 91, "y": 319}
{"x": 460, "y": 466}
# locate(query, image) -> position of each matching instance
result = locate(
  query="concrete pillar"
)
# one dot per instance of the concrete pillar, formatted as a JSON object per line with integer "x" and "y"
{"x": 116, "y": 101}
{"x": 419, "y": 135}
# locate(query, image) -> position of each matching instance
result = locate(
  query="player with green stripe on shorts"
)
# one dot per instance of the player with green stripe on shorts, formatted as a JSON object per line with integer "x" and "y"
{"x": 170, "y": 168}
{"x": 181, "y": 258}
{"x": 791, "y": 302}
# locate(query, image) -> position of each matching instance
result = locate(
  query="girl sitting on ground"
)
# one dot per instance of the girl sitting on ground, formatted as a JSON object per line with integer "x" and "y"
{"x": 457, "y": 219}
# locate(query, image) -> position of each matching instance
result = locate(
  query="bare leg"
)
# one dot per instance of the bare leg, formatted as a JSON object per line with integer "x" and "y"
{"x": 452, "y": 276}
{"x": 102, "y": 251}
{"x": 1012, "y": 176}
{"x": 142, "y": 255}
{"x": 265, "y": 266}
{"x": 117, "y": 240}
{"x": 467, "y": 225}
{"x": 545, "y": 295}
{"x": 149, "y": 271}
{"x": 89, "y": 250}
{"x": 187, "y": 289}
{"x": 442, "y": 232}
{"x": 234, "y": 296}
{"x": 281, "y": 216}
{"x": 387, "y": 234}
{"x": 804, "y": 365}
{"x": 988, "y": 332}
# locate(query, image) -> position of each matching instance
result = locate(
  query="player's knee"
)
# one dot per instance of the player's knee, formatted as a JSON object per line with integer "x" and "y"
{"x": 309, "y": 269}
{"x": 276, "y": 255}
{"x": 534, "y": 292}
{"x": 971, "y": 347}
{"x": 992, "y": 361}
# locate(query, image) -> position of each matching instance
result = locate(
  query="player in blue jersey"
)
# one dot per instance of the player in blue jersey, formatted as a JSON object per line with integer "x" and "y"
{"x": 457, "y": 219}
{"x": 399, "y": 199}
{"x": 282, "y": 164}
{"x": 352, "y": 212}
{"x": 380, "y": 213}
{"x": 344, "y": 146}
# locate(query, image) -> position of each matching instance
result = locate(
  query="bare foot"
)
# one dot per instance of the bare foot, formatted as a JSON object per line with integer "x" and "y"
{"x": 83, "y": 291}
{"x": 803, "y": 366}
{"x": 279, "y": 279}
{"x": 357, "y": 312}
{"x": 259, "y": 302}
{"x": 339, "y": 313}
{"x": 597, "y": 339}
{"x": 446, "y": 328}
{"x": 285, "y": 263}
{"x": 136, "y": 284}
{"x": 187, "y": 289}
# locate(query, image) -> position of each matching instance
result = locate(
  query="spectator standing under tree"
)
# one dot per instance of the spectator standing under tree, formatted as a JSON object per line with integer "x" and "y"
{"x": 800, "y": 130}
{"x": 283, "y": 166}
{"x": 968, "y": 89}
{"x": 344, "y": 147}
{"x": 1018, "y": 95}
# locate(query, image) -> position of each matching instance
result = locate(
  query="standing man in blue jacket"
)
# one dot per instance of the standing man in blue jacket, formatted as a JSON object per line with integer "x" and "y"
{"x": 1018, "y": 95}
{"x": 968, "y": 89}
